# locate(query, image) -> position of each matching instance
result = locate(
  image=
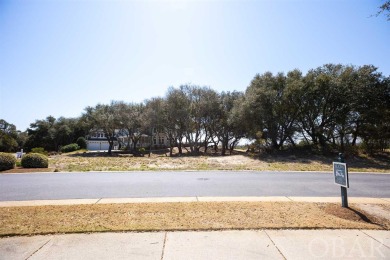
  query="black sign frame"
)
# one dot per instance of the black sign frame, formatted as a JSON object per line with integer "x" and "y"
{"x": 340, "y": 173}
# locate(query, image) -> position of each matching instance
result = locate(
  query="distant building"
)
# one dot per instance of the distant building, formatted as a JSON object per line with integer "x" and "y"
{"x": 97, "y": 140}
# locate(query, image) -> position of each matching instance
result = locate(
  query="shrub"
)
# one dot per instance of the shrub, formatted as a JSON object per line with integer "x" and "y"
{"x": 70, "y": 148}
{"x": 35, "y": 160}
{"x": 82, "y": 142}
{"x": 7, "y": 161}
{"x": 39, "y": 150}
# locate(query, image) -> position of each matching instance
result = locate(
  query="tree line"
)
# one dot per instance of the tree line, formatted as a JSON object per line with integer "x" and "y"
{"x": 330, "y": 107}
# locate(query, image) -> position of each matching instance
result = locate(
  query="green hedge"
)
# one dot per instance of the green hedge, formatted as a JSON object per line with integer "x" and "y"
{"x": 40, "y": 150}
{"x": 35, "y": 160}
{"x": 7, "y": 161}
{"x": 70, "y": 148}
{"x": 82, "y": 142}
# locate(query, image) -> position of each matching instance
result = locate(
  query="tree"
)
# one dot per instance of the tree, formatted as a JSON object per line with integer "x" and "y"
{"x": 272, "y": 107}
{"x": 385, "y": 9}
{"x": 52, "y": 133}
{"x": 103, "y": 118}
{"x": 39, "y": 134}
{"x": 210, "y": 112}
{"x": 323, "y": 103}
{"x": 62, "y": 132}
{"x": 177, "y": 116}
{"x": 8, "y": 137}
{"x": 371, "y": 106}
{"x": 202, "y": 111}
{"x": 229, "y": 125}
{"x": 131, "y": 119}
{"x": 156, "y": 119}
{"x": 81, "y": 142}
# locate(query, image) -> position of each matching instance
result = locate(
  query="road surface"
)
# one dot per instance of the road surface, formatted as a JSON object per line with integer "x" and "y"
{"x": 91, "y": 185}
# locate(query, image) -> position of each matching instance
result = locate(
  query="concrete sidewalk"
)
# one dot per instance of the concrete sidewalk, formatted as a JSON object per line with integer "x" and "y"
{"x": 248, "y": 244}
{"x": 189, "y": 199}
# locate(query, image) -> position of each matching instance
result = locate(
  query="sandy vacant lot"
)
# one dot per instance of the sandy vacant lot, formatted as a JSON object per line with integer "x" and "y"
{"x": 100, "y": 161}
{"x": 238, "y": 161}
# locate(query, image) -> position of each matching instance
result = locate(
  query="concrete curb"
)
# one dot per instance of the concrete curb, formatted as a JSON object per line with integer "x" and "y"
{"x": 190, "y": 199}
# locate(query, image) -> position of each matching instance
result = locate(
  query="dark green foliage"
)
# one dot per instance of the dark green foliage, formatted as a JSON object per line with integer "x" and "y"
{"x": 7, "y": 161}
{"x": 332, "y": 107}
{"x": 52, "y": 133}
{"x": 70, "y": 148}
{"x": 35, "y": 160}
{"x": 8, "y": 137}
{"x": 40, "y": 150}
{"x": 82, "y": 142}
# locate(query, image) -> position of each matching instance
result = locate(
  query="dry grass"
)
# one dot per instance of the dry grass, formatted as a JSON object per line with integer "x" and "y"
{"x": 83, "y": 161}
{"x": 234, "y": 162}
{"x": 179, "y": 216}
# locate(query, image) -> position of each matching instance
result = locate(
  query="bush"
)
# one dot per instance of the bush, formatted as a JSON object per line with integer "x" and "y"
{"x": 82, "y": 142}
{"x": 7, "y": 161}
{"x": 35, "y": 160}
{"x": 70, "y": 148}
{"x": 39, "y": 150}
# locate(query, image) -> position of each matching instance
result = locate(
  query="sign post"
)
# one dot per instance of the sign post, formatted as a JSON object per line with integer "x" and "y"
{"x": 340, "y": 172}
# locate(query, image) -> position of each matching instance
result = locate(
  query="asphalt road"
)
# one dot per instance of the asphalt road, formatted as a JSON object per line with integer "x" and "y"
{"x": 94, "y": 185}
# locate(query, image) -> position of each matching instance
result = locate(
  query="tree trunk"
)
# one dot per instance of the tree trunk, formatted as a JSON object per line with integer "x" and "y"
{"x": 180, "y": 148}
{"x": 291, "y": 141}
{"x": 224, "y": 146}
{"x": 355, "y": 134}
{"x": 216, "y": 147}
{"x": 110, "y": 145}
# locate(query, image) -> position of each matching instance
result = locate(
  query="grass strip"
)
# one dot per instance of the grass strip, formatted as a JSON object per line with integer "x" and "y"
{"x": 180, "y": 216}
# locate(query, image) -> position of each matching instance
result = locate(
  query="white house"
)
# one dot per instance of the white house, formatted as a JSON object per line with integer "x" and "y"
{"x": 97, "y": 140}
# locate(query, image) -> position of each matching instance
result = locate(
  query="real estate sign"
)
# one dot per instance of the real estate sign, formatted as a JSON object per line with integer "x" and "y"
{"x": 340, "y": 172}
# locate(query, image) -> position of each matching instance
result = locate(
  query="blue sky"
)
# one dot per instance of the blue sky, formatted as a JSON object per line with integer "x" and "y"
{"x": 58, "y": 57}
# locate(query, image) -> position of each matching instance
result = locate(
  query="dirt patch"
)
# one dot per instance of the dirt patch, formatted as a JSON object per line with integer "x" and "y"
{"x": 363, "y": 213}
{"x": 381, "y": 210}
{"x": 346, "y": 213}
{"x": 28, "y": 170}
{"x": 380, "y": 213}
{"x": 173, "y": 216}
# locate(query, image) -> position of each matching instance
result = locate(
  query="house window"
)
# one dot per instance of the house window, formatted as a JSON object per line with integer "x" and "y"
{"x": 161, "y": 140}
{"x": 154, "y": 140}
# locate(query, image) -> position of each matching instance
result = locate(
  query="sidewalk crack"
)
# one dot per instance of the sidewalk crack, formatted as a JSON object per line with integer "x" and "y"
{"x": 38, "y": 249}
{"x": 280, "y": 252}
{"x": 380, "y": 242}
{"x": 98, "y": 201}
{"x": 163, "y": 249}
{"x": 289, "y": 198}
